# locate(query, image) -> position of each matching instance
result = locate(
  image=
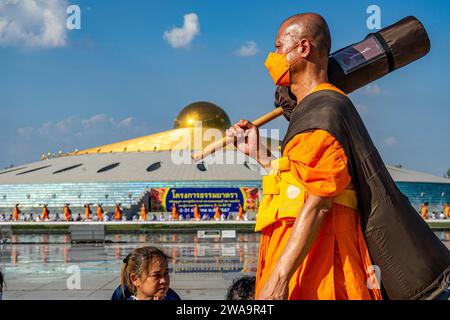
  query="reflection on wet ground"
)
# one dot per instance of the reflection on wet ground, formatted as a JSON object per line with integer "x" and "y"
{"x": 188, "y": 253}
{"x": 38, "y": 259}
{"x": 37, "y": 266}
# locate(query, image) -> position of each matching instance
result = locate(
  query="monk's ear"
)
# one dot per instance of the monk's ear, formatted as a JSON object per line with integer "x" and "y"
{"x": 304, "y": 48}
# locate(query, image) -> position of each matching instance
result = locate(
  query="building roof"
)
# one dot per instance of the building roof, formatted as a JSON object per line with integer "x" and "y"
{"x": 404, "y": 175}
{"x": 123, "y": 167}
{"x": 155, "y": 166}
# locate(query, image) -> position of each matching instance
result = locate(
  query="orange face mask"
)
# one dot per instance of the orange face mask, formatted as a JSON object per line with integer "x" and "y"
{"x": 279, "y": 68}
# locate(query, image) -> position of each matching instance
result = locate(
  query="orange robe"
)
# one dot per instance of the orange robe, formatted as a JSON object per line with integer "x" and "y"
{"x": 16, "y": 213}
{"x": 447, "y": 211}
{"x": 338, "y": 265}
{"x": 44, "y": 214}
{"x": 217, "y": 213}
{"x": 117, "y": 214}
{"x": 241, "y": 213}
{"x": 197, "y": 214}
{"x": 67, "y": 213}
{"x": 424, "y": 211}
{"x": 174, "y": 213}
{"x": 143, "y": 213}
{"x": 99, "y": 213}
{"x": 87, "y": 213}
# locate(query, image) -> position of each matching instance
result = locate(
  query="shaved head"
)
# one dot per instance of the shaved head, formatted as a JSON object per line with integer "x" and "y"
{"x": 304, "y": 42}
{"x": 310, "y": 26}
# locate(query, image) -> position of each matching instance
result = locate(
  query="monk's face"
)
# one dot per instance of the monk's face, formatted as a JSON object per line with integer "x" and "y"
{"x": 287, "y": 43}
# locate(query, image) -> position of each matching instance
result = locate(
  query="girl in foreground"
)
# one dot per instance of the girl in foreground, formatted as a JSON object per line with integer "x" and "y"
{"x": 145, "y": 273}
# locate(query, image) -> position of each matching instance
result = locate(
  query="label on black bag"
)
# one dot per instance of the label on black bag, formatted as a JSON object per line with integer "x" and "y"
{"x": 359, "y": 55}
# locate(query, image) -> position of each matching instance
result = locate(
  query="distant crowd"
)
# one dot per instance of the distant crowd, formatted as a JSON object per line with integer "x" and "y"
{"x": 18, "y": 216}
{"x": 436, "y": 214}
{"x": 143, "y": 215}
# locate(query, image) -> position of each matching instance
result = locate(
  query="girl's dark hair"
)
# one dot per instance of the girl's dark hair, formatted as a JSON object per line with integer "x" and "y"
{"x": 242, "y": 289}
{"x": 138, "y": 262}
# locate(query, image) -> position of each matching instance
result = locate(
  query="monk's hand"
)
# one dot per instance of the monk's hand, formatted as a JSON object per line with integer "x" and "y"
{"x": 246, "y": 140}
{"x": 276, "y": 288}
{"x": 246, "y": 137}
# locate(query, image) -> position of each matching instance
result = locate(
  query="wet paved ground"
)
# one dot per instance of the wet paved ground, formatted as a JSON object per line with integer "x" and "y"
{"x": 45, "y": 266}
{"x": 39, "y": 266}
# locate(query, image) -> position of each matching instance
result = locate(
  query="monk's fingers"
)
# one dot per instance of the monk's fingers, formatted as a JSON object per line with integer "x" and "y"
{"x": 246, "y": 124}
{"x": 233, "y": 134}
{"x": 242, "y": 124}
{"x": 239, "y": 128}
{"x": 252, "y": 133}
{"x": 237, "y": 131}
{"x": 229, "y": 132}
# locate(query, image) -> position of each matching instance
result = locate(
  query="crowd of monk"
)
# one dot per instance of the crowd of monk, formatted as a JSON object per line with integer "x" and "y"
{"x": 118, "y": 214}
{"x": 444, "y": 214}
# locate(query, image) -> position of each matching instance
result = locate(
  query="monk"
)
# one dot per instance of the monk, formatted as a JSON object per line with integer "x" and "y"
{"x": 424, "y": 210}
{"x": 117, "y": 213}
{"x": 217, "y": 213}
{"x": 311, "y": 246}
{"x": 87, "y": 212}
{"x": 143, "y": 216}
{"x": 45, "y": 212}
{"x": 240, "y": 213}
{"x": 16, "y": 213}
{"x": 99, "y": 212}
{"x": 197, "y": 214}
{"x": 174, "y": 212}
{"x": 67, "y": 212}
{"x": 447, "y": 210}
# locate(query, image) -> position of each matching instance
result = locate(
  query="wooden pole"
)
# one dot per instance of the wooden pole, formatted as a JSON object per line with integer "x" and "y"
{"x": 222, "y": 143}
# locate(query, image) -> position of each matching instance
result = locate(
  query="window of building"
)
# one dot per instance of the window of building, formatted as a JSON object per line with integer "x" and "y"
{"x": 33, "y": 170}
{"x": 154, "y": 166}
{"x": 110, "y": 167}
{"x": 12, "y": 170}
{"x": 68, "y": 168}
{"x": 201, "y": 167}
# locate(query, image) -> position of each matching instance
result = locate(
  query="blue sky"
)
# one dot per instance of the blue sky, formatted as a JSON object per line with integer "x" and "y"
{"x": 118, "y": 77}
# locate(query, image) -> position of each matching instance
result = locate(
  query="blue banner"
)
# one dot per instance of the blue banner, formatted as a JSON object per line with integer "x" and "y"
{"x": 228, "y": 200}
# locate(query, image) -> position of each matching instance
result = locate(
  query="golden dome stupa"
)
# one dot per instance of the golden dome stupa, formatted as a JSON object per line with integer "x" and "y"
{"x": 183, "y": 136}
{"x": 210, "y": 115}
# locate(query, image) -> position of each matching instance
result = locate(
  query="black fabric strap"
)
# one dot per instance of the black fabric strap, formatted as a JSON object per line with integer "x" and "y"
{"x": 386, "y": 49}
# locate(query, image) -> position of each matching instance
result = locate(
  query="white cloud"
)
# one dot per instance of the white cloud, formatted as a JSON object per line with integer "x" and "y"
{"x": 45, "y": 129}
{"x": 96, "y": 120}
{"x": 182, "y": 37}
{"x": 372, "y": 90}
{"x": 390, "y": 141}
{"x": 249, "y": 48}
{"x": 33, "y": 23}
{"x": 74, "y": 133}
{"x": 127, "y": 122}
